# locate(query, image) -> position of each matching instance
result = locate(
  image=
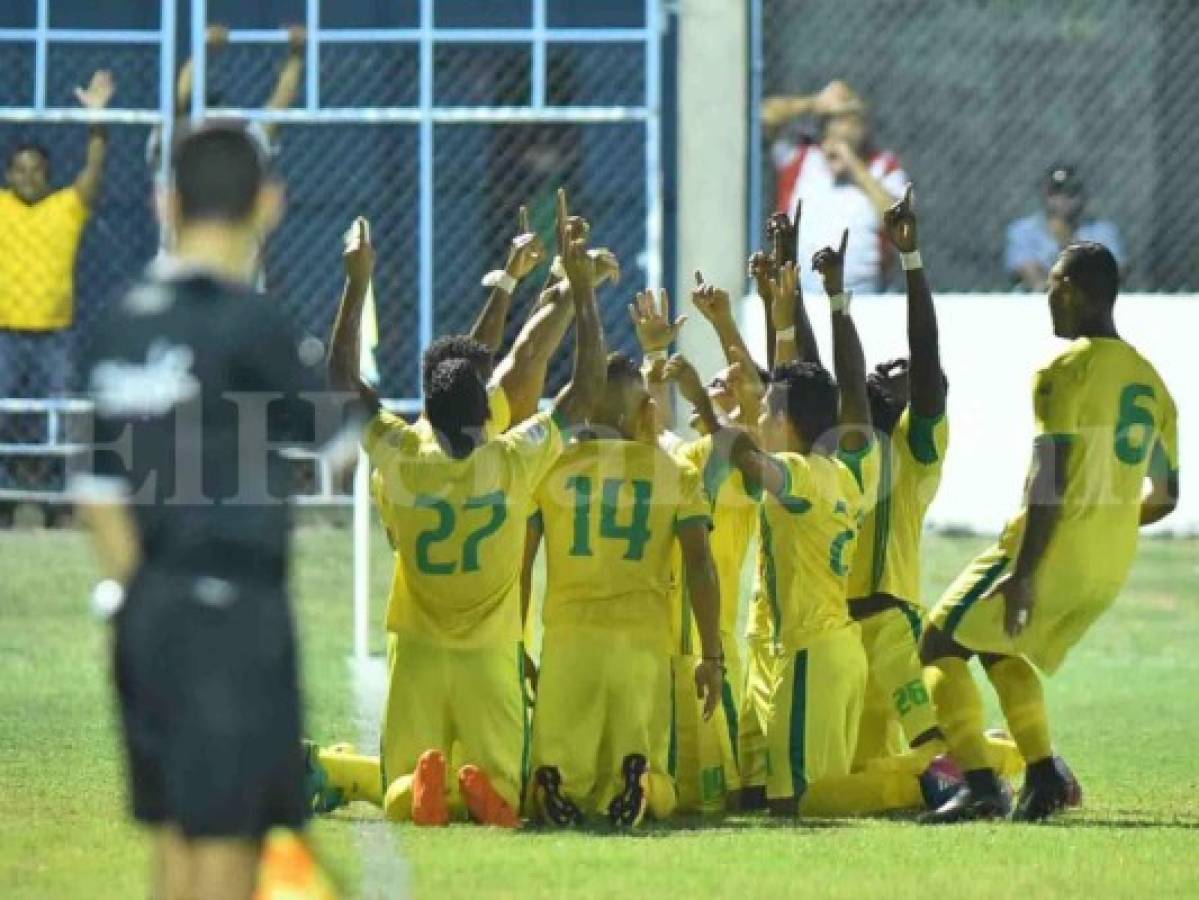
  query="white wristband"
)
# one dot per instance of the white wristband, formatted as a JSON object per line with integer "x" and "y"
{"x": 840, "y": 302}
{"x": 785, "y": 334}
{"x": 557, "y": 269}
{"x": 911, "y": 261}
{"x": 498, "y": 278}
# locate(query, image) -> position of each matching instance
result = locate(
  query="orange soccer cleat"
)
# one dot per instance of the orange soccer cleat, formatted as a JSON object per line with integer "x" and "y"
{"x": 429, "y": 805}
{"x": 484, "y": 803}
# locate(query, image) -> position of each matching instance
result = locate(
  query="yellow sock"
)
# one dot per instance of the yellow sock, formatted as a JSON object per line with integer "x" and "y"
{"x": 1005, "y": 756}
{"x": 357, "y": 777}
{"x": 1023, "y": 703}
{"x": 662, "y": 799}
{"x": 397, "y": 803}
{"x": 861, "y": 794}
{"x": 960, "y": 711}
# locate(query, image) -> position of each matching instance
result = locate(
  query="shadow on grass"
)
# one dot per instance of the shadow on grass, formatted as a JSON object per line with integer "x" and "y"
{"x": 691, "y": 824}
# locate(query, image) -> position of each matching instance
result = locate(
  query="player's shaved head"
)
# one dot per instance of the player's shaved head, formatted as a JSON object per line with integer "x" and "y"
{"x": 1093, "y": 270}
{"x": 218, "y": 174}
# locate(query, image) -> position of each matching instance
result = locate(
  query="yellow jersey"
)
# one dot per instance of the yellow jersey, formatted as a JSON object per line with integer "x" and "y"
{"x": 734, "y": 522}
{"x": 498, "y": 421}
{"x": 807, "y": 542}
{"x": 38, "y": 243}
{"x": 610, "y": 511}
{"x": 458, "y": 527}
{"x": 887, "y": 559}
{"x": 1113, "y": 408}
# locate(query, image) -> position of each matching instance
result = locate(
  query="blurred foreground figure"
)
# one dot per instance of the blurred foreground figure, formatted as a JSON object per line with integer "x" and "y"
{"x": 192, "y": 375}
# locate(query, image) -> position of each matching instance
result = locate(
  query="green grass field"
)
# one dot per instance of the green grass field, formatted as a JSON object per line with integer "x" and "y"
{"x": 1124, "y": 713}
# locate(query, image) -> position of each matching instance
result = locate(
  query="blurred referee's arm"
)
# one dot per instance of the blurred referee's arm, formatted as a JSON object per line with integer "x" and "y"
{"x": 95, "y": 97}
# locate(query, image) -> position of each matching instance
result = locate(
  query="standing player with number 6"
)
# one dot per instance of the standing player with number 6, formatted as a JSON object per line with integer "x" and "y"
{"x": 1106, "y": 422}
{"x": 457, "y": 509}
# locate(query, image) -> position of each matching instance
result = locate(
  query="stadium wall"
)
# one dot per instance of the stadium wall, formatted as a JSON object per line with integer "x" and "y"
{"x": 991, "y": 345}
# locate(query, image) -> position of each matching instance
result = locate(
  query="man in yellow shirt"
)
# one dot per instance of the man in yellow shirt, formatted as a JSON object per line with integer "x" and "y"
{"x": 611, "y": 513}
{"x": 457, "y": 509}
{"x": 40, "y": 231}
{"x": 1106, "y": 424}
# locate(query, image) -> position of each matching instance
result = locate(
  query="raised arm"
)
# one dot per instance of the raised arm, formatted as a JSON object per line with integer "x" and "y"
{"x": 925, "y": 375}
{"x": 95, "y": 96}
{"x": 588, "y": 378}
{"x": 655, "y": 333}
{"x": 525, "y": 253}
{"x": 849, "y": 362}
{"x": 783, "y": 233}
{"x": 216, "y": 38}
{"x": 715, "y": 306}
{"x": 344, "y": 361}
{"x": 287, "y": 84}
{"x": 522, "y": 372}
{"x": 680, "y": 371}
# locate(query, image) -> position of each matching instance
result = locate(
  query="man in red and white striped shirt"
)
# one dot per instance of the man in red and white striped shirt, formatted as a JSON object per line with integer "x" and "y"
{"x": 842, "y": 180}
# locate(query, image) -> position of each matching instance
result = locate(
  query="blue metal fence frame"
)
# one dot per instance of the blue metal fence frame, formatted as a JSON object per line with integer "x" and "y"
{"x": 426, "y": 114}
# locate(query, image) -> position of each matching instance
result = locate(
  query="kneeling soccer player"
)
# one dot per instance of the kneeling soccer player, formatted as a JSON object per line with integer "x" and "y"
{"x": 610, "y": 513}
{"x": 457, "y": 517}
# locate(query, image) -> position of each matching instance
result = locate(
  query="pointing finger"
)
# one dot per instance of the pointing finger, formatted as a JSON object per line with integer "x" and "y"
{"x": 522, "y": 220}
{"x": 699, "y": 277}
{"x": 907, "y": 196}
{"x": 844, "y": 243}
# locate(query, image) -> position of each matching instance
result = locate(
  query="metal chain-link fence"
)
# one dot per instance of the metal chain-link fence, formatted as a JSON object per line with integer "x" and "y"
{"x": 533, "y": 99}
{"x": 979, "y": 99}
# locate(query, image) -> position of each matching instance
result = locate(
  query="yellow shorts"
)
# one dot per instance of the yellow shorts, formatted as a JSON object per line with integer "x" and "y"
{"x": 599, "y": 699}
{"x": 1070, "y": 596}
{"x": 470, "y": 700}
{"x": 754, "y": 711}
{"x": 895, "y": 692}
{"x": 703, "y": 756}
{"x": 815, "y": 708}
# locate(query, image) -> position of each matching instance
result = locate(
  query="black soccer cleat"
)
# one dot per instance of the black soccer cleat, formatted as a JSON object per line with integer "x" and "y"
{"x": 1046, "y": 792}
{"x": 967, "y": 806}
{"x": 1074, "y": 793}
{"x": 557, "y": 808}
{"x": 628, "y": 808}
{"x": 940, "y": 782}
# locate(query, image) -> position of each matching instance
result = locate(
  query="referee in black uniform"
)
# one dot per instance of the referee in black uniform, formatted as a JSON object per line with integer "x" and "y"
{"x": 187, "y": 530}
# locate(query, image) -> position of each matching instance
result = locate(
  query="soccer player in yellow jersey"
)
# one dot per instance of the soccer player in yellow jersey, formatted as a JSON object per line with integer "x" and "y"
{"x": 458, "y": 511}
{"x": 611, "y": 513}
{"x": 1106, "y": 424}
{"x": 907, "y": 405}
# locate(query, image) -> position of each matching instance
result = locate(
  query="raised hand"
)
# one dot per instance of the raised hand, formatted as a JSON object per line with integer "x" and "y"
{"x": 358, "y": 257}
{"x": 652, "y": 323}
{"x": 297, "y": 37}
{"x": 782, "y": 233}
{"x": 744, "y": 380}
{"x": 761, "y": 269}
{"x": 712, "y": 302}
{"x": 679, "y": 370}
{"x": 782, "y": 297}
{"x": 607, "y": 265}
{"x": 900, "y": 223}
{"x": 830, "y": 264}
{"x": 216, "y": 36}
{"x": 525, "y": 251}
{"x": 98, "y": 92}
{"x": 569, "y": 228}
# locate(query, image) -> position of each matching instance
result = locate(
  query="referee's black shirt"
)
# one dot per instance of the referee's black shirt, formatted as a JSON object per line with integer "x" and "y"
{"x": 197, "y": 383}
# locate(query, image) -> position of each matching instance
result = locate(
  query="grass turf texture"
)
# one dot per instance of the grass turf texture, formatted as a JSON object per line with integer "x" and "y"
{"x": 1123, "y": 712}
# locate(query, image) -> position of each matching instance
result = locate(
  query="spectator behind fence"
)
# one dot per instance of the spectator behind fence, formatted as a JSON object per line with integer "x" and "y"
{"x": 841, "y": 178}
{"x": 1034, "y": 242}
{"x": 39, "y": 239}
